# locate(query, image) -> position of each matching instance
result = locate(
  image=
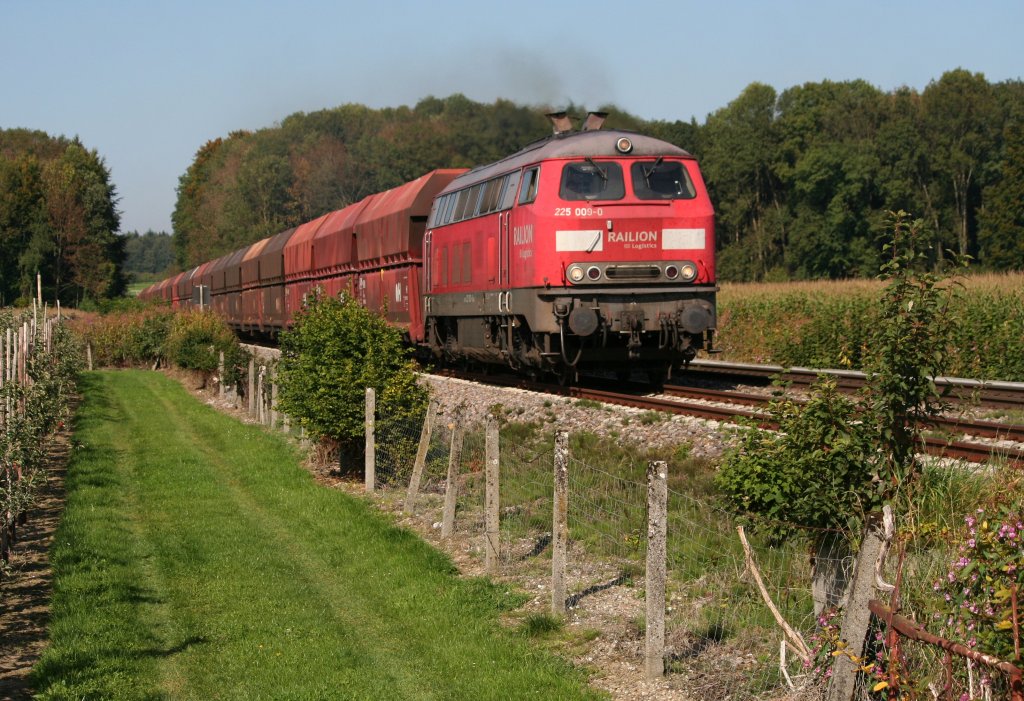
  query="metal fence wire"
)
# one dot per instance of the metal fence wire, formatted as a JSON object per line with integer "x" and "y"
{"x": 745, "y": 617}
{"x": 397, "y": 439}
{"x": 526, "y": 498}
{"x": 427, "y": 493}
{"x": 722, "y": 637}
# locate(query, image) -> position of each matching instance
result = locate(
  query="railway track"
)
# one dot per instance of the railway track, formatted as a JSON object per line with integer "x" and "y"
{"x": 947, "y": 447}
{"x": 988, "y": 393}
{"x": 731, "y": 406}
{"x": 952, "y": 441}
{"x": 981, "y": 429}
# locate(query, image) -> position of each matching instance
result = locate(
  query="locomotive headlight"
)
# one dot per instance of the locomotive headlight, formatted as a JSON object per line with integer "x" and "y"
{"x": 688, "y": 272}
{"x": 576, "y": 273}
{"x": 594, "y": 272}
{"x": 671, "y": 272}
{"x": 624, "y": 145}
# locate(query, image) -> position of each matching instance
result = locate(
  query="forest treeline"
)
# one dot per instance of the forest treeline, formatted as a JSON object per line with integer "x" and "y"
{"x": 802, "y": 180}
{"x": 148, "y": 256}
{"x": 58, "y": 218}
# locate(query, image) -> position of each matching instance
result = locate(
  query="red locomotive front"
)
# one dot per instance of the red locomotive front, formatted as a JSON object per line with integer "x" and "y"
{"x": 588, "y": 249}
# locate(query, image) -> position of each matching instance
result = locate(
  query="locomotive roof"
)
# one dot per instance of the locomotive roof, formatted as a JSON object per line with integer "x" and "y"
{"x": 580, "y": 144}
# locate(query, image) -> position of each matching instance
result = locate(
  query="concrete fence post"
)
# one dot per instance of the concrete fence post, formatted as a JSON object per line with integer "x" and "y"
{"x": 421, "y": 456}
{"x": 370, "y": 450}
{"x": 492, "y": 522}
{"x": 657, "y": 536}
{"x": 220, "y": 375}
{"x": 854, "y": 629}
{"x": 451, "y": 489}
{"x": 273, "y": 403}
{"x": 560, "y": 523}
{"x": 88, "y": 356}
{"x": 251, "y": 394}
{"x": 260, "y": 400}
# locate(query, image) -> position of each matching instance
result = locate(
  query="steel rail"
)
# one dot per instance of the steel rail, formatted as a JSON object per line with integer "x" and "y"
{"x": 936, "y": 446}
{"x": 976, "y": 428}
{"x": 993, "y": 393}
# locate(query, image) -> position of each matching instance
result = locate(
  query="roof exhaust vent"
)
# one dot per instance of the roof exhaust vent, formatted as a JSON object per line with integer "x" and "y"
{"x": 595, "y": 120}
{"x": 560, "y": 121}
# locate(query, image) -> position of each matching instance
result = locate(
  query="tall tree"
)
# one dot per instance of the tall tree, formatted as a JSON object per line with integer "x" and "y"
{"x": 58, "y": 218}
{"x": 147, "y": 254}
{"x": 961, "y": 120}
{"x": 22, "y": 219}
{"x": 1001, "y": 234}
{"x": 740, "y": 148}
{"x": 83, "y": 221}
{"x": 827, "y": 164}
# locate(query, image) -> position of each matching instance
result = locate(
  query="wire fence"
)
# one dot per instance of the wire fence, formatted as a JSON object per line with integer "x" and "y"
{"x": 716, "y": 620}
{"x": 742, "y": 617}
{"x": 397, "y": 443}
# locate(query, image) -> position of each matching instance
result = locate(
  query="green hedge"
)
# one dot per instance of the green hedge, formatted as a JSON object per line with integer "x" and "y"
{"x": 188, "y": 339}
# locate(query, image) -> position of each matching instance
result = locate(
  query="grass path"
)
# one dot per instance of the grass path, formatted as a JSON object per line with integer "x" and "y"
{"x": 197, "y": 560}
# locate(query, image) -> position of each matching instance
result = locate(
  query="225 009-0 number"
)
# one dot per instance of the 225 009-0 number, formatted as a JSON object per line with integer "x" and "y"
{"x": 579, "y": 212}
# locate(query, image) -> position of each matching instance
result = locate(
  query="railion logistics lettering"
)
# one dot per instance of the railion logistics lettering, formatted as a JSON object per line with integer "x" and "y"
{"x": 633, "y": 237}
{"x": 522, "y": 235}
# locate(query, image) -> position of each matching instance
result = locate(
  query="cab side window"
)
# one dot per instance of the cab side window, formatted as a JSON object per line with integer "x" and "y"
{"x": 528, "y": 191}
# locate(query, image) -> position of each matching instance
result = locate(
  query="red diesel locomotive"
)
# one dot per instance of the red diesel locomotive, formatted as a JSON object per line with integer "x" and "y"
{"x": 589, "y": 249}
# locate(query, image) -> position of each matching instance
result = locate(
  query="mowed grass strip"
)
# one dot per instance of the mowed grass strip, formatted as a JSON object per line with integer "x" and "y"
{"x": 196, "y": 559}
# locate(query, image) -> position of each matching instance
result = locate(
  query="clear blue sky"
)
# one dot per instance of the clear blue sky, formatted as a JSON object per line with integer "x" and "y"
{"x": 147, "y": 83}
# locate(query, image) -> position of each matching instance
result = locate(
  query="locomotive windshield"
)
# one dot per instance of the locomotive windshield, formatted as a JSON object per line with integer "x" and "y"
{"x": 589, "y": 180}
{"x": 658, "y": 180}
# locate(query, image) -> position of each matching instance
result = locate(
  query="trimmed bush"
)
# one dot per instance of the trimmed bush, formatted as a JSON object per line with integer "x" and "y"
{"x": 126, "y": 339}
{"x": 335, "y": 350}
{"x": 196, "y": 339}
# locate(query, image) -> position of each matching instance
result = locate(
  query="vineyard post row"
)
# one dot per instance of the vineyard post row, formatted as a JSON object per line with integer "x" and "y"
{"x": 19, "y": 344}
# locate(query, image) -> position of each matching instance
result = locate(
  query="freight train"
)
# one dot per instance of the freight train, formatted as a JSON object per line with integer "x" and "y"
{"x": 589, "y": 249}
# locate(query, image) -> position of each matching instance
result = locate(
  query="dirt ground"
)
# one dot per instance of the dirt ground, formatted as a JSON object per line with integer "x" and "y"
{"x": 25, "y": 590}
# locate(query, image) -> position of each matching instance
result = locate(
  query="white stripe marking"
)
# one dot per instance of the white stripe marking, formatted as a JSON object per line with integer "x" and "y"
{"x": 585, "y": 240}
{"x": 683, "y": 239}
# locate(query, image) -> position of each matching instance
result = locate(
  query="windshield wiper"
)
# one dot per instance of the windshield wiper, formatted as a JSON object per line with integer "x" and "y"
{"x": 648, "y": 172}
{"x": 604, "y": 176}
